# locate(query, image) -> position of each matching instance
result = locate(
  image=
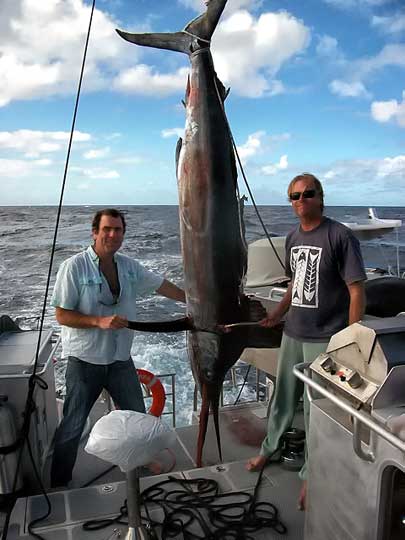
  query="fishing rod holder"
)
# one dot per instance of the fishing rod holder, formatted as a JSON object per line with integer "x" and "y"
{"x": 136, "y": 531}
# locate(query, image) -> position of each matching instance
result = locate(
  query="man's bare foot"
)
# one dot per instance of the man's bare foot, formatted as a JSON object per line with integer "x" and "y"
{"x": 164, "y": 463}
{"x": 256, "y": 463}
{"x": 155, "y": 467}
{"x": 302, "y": 500}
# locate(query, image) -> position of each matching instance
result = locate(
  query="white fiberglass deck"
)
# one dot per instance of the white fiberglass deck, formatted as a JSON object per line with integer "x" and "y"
{"x": 71, "y": 508}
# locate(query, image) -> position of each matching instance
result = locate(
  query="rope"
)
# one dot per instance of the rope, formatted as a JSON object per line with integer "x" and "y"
{"x": 197, "y": 505}
{"x": 198, "y": 38}
{"x": 244, "y": 176}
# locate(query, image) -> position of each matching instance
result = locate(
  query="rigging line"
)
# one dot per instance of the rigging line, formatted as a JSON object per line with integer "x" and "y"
{"x": 33, "y": 380}
{"x": 53, "y": 249}
{"x": 245, "y": 179}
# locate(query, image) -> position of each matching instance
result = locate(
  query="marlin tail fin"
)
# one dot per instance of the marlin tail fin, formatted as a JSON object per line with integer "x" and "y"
{"x": 196, "y": 34}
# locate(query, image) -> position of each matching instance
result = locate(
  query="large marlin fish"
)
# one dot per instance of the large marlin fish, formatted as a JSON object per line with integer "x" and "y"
{"x": 213, "y": 247}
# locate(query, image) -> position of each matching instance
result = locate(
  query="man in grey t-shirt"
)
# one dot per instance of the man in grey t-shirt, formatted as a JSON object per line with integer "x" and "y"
{"x": 326, "y": 293}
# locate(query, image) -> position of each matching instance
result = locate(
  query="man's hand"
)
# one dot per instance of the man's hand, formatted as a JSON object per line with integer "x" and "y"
{"x": 112, "y": 323}
{"x": 270, "y": 321}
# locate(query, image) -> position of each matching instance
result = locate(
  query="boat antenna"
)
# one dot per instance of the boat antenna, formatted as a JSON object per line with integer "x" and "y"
{"x": 244, "y": 177}
{"x": 34, "y": 378}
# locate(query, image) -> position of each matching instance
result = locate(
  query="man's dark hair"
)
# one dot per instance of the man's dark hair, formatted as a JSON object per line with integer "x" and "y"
{"x": 113, "y": 212}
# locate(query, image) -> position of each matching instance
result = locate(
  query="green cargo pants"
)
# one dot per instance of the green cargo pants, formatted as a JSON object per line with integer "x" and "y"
{"x": 288, "y": 391}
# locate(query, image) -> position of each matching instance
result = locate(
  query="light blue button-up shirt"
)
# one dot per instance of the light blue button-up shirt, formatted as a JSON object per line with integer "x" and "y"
{"x": 81, "y": 286}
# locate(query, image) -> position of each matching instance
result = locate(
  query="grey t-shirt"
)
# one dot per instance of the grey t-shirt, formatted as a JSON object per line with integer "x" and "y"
{"x": 321, "y": 263}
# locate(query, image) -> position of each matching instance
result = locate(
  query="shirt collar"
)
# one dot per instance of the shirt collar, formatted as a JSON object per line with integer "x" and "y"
{"x": 94, "y": 257}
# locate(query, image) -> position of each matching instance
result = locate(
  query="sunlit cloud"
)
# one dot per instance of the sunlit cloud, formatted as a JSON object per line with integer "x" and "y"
{"x": 252, "y": 146}
{"x": 100, "y": 174}
{"x": 270, "y": 170}
{"x": 146, "y": 80}
{"x": 349, "y": 89}
{"x": 394, "y": 24}
{"x": 172, "y": 132}
{"x": 384, "y": 111}
{"x": 31, "y": 67}
{"x": 97, "y": 153}
{"x": 34, "y": 143}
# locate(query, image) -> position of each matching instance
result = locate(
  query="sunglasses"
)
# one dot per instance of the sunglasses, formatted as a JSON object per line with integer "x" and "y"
{"x": 307, "y": 194}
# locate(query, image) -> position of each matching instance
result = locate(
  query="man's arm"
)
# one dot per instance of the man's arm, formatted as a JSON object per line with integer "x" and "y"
{"x": 275, "y": 316}
{"x": 357, "y": 301}
{"x": 170, "y": 290}
{"x": 75, "y": 319}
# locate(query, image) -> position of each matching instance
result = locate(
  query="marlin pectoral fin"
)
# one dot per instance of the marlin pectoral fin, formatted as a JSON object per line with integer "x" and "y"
{"x": 176, "y": 325}
{"x": 258, "y": 337}
{"x": 176, "y": 41}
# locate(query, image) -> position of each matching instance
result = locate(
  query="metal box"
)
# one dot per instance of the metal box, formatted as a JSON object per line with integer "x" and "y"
{"x": 17, "y": 357}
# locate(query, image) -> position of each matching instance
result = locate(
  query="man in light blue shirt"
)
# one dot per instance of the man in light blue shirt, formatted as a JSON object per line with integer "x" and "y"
{"x": 95, "y": 295}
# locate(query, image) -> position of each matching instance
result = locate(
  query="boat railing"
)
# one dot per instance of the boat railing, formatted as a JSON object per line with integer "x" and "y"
{"x": 358, "y": 417}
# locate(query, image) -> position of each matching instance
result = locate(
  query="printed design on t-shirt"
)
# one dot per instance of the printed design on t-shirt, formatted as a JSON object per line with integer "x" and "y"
{"x": 305, "y": 261}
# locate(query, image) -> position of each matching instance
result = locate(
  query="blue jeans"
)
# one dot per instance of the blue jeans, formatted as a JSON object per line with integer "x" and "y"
{"x": 84, "y": 383}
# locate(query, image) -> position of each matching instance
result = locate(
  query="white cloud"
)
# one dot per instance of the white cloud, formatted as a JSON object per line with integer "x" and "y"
{"x": 384, "y": 111}
{"x": 43, "y": 162}
{"x": 248, "y": 51}
{"x": 356, "y": 4}
{"x": 330, "y": 175}
{"x": 392, "y": 167}
{"x": 173, "y": 132}
{"x": 390, "y": 55}
{"x": 128, "y": 160}
{"x": 34, "y": 143}
{"x": 15, "y": 168}
{"x": 145, "y": 80}
{"x": 41, "y": 48}
{"x": 258, "y": 143}
{"x": 100, "y": 174}
{"x": 349, "y": 89}
{"x": 328, "y": 48}
{"x": 114, "y": 136}
{"x": 389, "y": 25}
{"x": 235, "y": 5}
{"x": 270, "y": 170}
{"x": 280, "y": 137}
{"x": 252, "y": 146}
{"x": 97, "y": 153}
{"x": 358, "y": 71}
{"x": 366, "y": 172}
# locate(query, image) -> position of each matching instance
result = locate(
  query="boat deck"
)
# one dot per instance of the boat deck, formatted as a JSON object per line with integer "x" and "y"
{"x": 242, "y": 428}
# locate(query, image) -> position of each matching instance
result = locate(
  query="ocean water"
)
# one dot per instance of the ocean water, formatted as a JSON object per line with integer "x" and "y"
{"x": 152, "y": 237}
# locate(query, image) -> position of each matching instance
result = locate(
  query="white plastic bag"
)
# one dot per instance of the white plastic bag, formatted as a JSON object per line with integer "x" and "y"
{"x": 129, "y": 439}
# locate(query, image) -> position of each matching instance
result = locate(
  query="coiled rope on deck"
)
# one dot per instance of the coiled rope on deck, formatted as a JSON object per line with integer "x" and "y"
{"x": 191, "y": 505}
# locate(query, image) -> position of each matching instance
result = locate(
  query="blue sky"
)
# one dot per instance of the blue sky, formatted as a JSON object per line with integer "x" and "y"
{"x": 316, "y": 85}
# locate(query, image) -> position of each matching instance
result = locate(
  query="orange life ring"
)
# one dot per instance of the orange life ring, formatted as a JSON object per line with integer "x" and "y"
{"x": 156, "y": 388}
